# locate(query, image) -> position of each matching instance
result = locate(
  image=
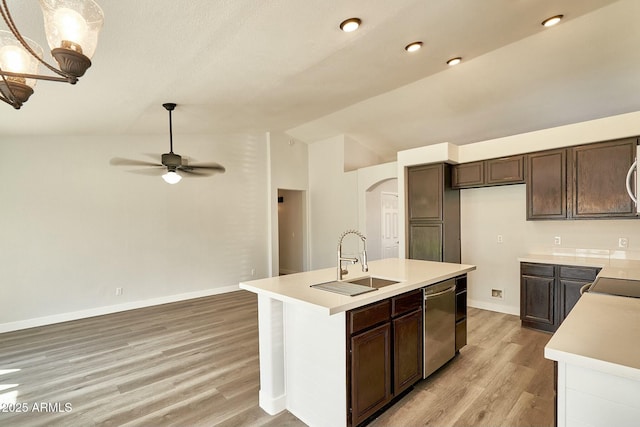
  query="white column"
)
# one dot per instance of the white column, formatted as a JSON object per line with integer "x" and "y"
{"x": 271, "y": 344}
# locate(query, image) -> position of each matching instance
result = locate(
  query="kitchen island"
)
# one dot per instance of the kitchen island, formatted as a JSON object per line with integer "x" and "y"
{"x": 302, "y": 334}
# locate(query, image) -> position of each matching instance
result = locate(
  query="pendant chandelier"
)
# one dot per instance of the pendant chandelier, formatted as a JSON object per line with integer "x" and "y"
{"x": 72, "y": 28}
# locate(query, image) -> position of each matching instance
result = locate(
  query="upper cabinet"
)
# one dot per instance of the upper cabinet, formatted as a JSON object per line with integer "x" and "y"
{"x": 586, "y": 181}
{"x": 547, "y": 185}
{"x": 599, "y": 174}
{"x": 506, "y": 170}
{"x": 426, "y": 187}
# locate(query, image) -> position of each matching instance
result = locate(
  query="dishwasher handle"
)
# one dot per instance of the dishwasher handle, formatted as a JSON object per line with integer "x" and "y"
{"x": 437, "y": 294}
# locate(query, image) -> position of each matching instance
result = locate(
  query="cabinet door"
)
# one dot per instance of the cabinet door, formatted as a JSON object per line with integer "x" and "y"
{"x": 370, "y": 372}
{"x": 599, "y": 177}
{"x": 467, "y": 175}
{"x": 569, "y": 296}
{"x": 425, "y": 184}
{"x": 507, "y": 170}
{"x": 425, "y": 242}
{"x": 547, "y": 185}
{"x": 407, "y": 351}
{"x": 537, "y": 302}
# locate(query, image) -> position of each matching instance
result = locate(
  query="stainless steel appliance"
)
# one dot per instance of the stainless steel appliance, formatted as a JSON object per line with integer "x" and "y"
{"x": 633, "y": 180}
{"x": 439, "y": 325}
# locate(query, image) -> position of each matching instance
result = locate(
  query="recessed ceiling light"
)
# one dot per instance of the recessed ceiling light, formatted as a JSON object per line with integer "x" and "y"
{"x": 550, "y": 22}
{"x": 350, "y": 25}
{"x": 454, "y": 61}
{"x": 412, "y": 47}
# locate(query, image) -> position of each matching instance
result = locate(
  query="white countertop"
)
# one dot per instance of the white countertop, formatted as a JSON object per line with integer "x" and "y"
{"x": 411, "y": 274}
{"x": 602, "y": 332}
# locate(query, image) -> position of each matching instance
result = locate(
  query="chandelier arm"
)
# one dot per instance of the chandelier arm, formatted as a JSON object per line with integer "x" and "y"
{"x": 6, "y": 15}
{"x": 71, "y": 80}
{"x": 8, "y": 101}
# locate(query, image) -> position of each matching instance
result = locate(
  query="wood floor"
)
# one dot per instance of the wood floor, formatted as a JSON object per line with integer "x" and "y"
{"x": 196, "y": 363}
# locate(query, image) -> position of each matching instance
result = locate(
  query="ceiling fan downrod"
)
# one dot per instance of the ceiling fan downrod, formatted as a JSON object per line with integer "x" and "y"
{"x": 170, "y": 106}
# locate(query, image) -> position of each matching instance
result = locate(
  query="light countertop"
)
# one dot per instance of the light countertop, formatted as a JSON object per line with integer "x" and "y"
{"x": 602, "y": 332}
{"x": 411, "y": 274}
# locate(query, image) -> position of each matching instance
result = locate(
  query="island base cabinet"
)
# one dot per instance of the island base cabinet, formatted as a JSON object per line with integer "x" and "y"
{"x": 588, "y": 397}
{"x": 370, "y": 372}
{"x": 384, "y": 353}
{"x": 407, "y": 351}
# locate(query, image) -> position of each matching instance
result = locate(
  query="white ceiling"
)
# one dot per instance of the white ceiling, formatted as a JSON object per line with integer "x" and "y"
{"x": 236, "y": 66}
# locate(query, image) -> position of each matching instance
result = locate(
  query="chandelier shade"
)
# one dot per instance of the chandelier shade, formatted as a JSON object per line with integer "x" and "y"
{"x": 72, "y": 28}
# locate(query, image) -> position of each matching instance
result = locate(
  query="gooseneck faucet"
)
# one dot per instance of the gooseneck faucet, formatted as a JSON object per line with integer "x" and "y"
{"x": 341, "y": 259}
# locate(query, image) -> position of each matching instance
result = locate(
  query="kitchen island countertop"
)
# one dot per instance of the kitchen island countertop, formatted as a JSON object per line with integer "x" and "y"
{"x": 410, "y": 275}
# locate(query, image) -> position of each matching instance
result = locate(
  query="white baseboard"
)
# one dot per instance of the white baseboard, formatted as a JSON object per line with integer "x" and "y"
{"x": 99, "y": 311}
{"x": 500, "y": 308}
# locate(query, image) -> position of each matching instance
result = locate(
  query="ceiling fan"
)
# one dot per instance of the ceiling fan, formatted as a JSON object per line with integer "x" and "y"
{"x": 171, "y": 162}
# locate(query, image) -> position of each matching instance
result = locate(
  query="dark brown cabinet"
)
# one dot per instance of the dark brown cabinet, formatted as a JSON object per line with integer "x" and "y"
{"x": 384, "y": 353}
{"x": 433, "y": 209}
{"x": 507, "y": 170}
{"x": 599, "y": 174}
{"x": 548, "y": 293}
{"x": 582, "y": 182}
{"x": 467, "y": 175}
{"x": 502, "y": 171}
{"x": 547, "y": 185}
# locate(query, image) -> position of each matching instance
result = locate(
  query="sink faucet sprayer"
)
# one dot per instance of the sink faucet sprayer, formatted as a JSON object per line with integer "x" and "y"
{"x": 341, "y": 259}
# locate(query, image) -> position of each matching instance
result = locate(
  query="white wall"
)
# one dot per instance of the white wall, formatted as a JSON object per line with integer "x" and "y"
{"x": 73, "y": 228}
{"x": 288, "y": 169}
{"x": 333, "y": 202}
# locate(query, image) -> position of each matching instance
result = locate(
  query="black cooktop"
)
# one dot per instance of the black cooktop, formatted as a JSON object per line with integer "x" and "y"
{"x": 621, "y": 287}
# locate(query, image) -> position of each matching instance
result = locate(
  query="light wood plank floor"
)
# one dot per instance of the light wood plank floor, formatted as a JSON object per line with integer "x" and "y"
{"x": 196, "y": 363}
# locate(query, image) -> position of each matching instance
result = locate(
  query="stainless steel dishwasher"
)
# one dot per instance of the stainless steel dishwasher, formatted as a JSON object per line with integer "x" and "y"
{"x": 439, "y": 325}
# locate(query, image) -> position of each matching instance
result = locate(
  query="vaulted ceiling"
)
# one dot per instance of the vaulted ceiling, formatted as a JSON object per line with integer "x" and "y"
{"x": 246, "y": 66}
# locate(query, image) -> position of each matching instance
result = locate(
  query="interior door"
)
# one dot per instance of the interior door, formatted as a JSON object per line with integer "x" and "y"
{"x": 390, "y": 239}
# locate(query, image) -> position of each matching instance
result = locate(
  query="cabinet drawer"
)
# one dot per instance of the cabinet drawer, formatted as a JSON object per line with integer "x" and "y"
{"x": 581, "y": 273}
{"x": 531, "y": 269}
{"x": 370, "y": 315}
{"x": 406, "y": 302}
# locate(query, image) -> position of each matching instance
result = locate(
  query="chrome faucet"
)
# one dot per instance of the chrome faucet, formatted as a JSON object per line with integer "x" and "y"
{"x": 341, "y": 259}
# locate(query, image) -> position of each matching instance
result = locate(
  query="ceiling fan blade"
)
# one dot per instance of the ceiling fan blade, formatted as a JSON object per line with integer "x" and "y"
{"x": 119, "y": 161}
{"x": 156, "y": 171}
{"x": 194, "y": 173}
{"x": 208, "y": 166}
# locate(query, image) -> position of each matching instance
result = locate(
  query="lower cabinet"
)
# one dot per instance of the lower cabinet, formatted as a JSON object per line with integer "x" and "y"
{"x": 384, "y": 353}
{"x": 548, "y": 292}
{"x": 461, "y": 312}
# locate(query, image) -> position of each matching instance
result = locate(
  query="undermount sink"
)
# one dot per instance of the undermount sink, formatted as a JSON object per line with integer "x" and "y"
{"x": 372, "y": 282}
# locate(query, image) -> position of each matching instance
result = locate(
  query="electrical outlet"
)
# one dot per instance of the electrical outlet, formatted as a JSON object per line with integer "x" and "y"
{"x": 557, "y": 240}
{"x": 496, "y": 293}
{"x": 253, "y": 271}
{"x": 118, "y": 292}
{"x": 623, "y": 242}
{"x": 500, "y": 239}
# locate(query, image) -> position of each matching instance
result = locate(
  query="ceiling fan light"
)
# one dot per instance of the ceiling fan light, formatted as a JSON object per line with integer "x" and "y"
{"x": 413, "y": 47}
{"x": 171, "y": 177}
{"x": 550, "y": 22}
{"x": 350, "y": 25}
